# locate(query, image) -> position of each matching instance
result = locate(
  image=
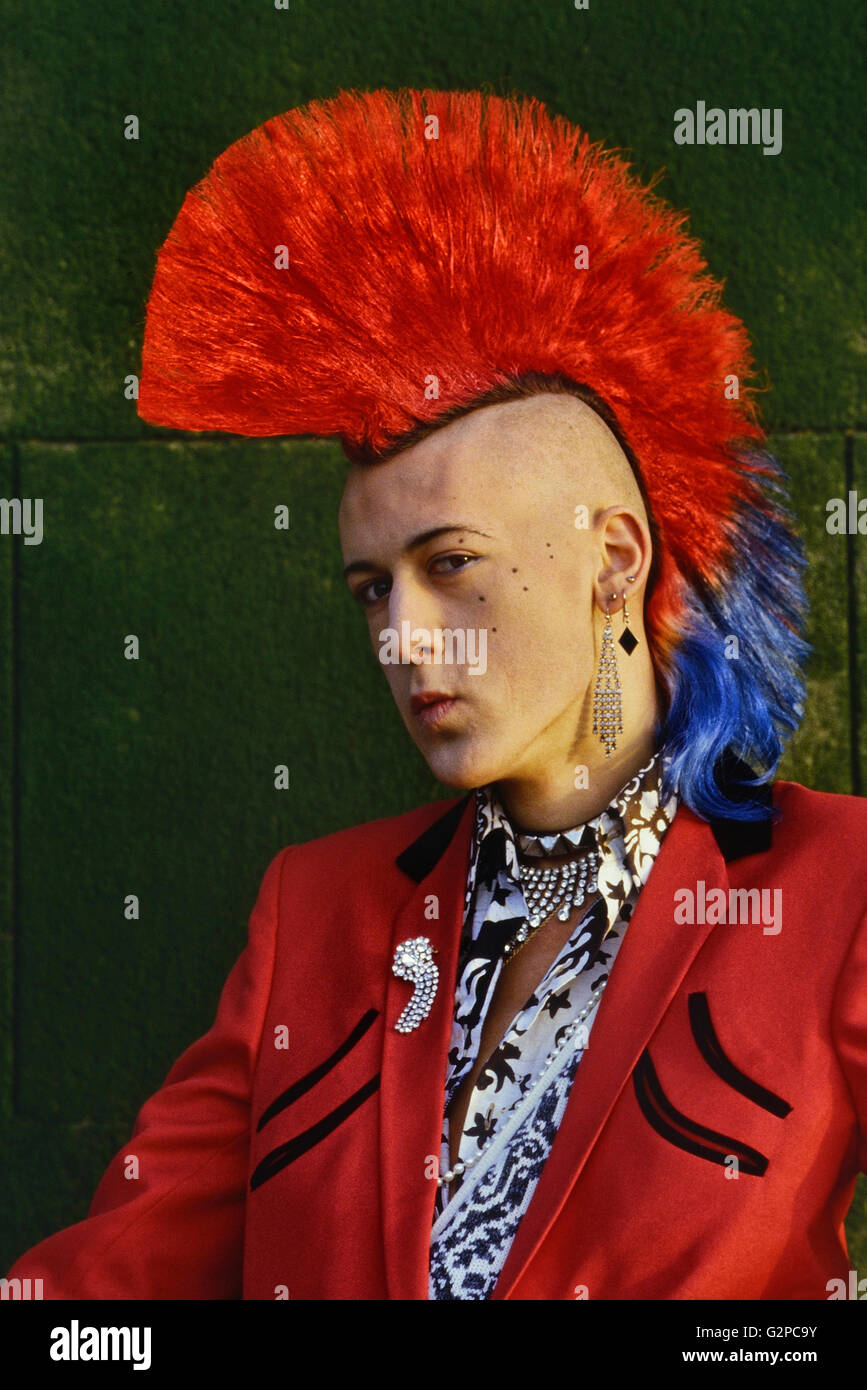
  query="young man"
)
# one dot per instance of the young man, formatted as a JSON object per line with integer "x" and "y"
{"x": 596, "y": 1027}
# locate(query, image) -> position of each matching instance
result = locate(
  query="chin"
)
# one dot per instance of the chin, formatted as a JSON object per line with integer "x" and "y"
{"x": 461, "y": 768}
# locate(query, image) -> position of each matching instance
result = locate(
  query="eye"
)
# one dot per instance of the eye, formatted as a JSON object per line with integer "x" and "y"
{"x": 366, "y": 597}
{"x": 447, "y": 558}
{"x": 361, "y": 595}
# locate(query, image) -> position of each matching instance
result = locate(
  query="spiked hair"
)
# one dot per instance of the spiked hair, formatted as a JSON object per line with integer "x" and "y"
{"x": 367, "y": 266}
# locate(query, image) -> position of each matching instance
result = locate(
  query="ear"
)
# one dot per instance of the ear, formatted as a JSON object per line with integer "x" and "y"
{"x": 625, "y": 552}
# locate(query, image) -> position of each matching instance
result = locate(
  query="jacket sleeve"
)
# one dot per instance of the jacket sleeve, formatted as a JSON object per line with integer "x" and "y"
{"x": 849, "y": 1028}
{"x": 167, "y": 1219}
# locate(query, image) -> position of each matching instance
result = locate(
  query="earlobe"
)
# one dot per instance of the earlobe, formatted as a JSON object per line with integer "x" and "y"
{"x": 606, "y": 596}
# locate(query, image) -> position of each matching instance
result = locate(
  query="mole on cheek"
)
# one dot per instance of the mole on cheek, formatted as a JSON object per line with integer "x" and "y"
{"x": 481, "y": 598}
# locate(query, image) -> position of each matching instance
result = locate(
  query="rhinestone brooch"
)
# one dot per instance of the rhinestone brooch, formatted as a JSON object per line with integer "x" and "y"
{"x": 413, "y": 960}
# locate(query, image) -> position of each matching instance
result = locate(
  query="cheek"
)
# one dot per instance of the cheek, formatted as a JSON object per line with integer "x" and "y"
{"x": 542, "y": 663}
{"x": 548, "y": 624}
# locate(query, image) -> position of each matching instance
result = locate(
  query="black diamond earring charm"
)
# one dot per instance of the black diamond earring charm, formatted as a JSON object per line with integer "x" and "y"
{"x": 627, "y": 638}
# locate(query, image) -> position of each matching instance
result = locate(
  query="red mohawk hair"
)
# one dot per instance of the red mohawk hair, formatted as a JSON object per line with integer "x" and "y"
{"x": 342, "y": 256}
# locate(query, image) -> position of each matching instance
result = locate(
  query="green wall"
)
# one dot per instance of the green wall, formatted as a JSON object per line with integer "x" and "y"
{"x": 155, "y": 777}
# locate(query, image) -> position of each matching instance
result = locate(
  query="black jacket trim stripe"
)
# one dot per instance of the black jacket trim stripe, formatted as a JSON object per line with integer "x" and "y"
{"x": 300, "y": 1087}
{"x": 711, "y": 1050}
{"x": 425, "y": 852}
{"x": 279, "y": 1158}
{"x": 685, "y": 1133}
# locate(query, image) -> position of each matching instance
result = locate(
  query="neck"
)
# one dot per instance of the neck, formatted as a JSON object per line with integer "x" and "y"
{"x": 550, "y": 801}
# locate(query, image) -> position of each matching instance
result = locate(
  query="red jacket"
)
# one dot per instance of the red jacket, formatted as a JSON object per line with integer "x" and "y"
{"x": 268, "y": 1171}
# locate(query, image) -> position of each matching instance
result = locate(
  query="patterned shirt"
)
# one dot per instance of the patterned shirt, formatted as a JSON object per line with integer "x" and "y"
{"x": 520, "y": 1095}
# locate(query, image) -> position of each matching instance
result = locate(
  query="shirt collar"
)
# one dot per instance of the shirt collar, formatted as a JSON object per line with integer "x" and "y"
{"x": 633, "y": 817}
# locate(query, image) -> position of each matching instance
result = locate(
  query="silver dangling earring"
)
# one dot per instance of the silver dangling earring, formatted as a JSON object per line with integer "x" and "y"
{"x": 607, "y": 711}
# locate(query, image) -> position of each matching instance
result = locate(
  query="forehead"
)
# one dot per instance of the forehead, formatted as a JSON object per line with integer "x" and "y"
{"x": 491, "y": 460}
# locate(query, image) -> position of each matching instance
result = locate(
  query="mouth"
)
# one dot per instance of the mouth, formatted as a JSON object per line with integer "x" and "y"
{"x": 431, "y": 707}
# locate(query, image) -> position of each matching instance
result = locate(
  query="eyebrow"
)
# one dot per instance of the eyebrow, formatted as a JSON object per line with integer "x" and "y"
{"x": 421, "y": 539}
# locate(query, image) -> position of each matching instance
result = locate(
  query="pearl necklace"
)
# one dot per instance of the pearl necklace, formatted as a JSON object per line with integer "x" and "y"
{"x": 443, "y": 1179}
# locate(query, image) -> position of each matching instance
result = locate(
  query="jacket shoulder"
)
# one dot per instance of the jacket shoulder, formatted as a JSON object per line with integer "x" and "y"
{"x": 826, "y": 807}
{"x": 830, "y": 823}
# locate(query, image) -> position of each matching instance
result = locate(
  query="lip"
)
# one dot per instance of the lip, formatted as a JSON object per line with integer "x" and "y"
{"x": 432, "y": 706}
{"x": 427, "y": 697}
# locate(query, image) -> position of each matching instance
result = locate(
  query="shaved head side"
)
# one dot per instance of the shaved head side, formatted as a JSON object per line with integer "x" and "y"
{"x": 536, "y": 458}
{"x": 575, "y": 452}
{"x": 579, "y": 453}
{"x": 584, "y": 452}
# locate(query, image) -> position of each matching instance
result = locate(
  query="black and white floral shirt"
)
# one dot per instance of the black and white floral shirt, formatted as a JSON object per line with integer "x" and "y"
{"x": 520, "y": 1095}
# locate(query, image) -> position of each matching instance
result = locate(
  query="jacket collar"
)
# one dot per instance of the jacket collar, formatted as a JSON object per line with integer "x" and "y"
{"x": 735, "y": 838}
{"x": 419, "y": 858}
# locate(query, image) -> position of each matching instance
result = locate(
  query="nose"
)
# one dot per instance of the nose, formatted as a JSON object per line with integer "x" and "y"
{"x": 414, "y": 609}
